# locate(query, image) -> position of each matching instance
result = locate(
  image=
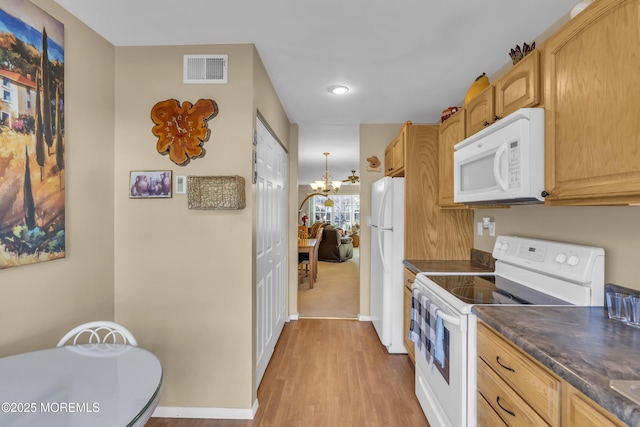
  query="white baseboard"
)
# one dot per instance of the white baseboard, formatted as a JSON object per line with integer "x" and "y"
{"x": 208, "y": 413}
{"x": 364, "y": 318}
{"x": 294, "y": 316}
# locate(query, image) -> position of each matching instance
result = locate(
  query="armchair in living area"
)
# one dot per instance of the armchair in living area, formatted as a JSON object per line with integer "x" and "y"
{"x": 334, "y": 246}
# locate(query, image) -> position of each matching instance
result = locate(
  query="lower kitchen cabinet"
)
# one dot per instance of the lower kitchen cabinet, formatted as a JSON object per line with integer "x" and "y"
{"x": 487, "y": 417}
{"x": 579, "y": 410}
{"x": 519, "y": 391}
{"x": 504, "y": 402}
{"x": 518, "y": 388}
{"x": 409, "y": 277}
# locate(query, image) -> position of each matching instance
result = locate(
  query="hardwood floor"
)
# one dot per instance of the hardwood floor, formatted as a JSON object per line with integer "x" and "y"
{"x": 329, "y": 373}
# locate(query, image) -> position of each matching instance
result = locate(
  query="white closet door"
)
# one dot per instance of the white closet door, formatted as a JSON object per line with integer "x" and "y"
{"x": 271, "y": 245}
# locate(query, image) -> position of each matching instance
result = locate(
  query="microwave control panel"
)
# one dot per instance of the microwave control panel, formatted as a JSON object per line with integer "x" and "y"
{"x": 514, "y": 164}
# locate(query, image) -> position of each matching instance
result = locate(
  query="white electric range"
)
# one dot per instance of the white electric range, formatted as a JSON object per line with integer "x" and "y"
{"x": 527, "y": 271}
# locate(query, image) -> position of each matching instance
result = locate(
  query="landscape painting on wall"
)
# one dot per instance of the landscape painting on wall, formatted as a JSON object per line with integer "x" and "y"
{"x": 32, "y": 161}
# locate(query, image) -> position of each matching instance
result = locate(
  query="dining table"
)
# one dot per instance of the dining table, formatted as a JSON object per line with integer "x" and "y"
{"x": 97, "y": 385}
{"x": 310, "y": 246}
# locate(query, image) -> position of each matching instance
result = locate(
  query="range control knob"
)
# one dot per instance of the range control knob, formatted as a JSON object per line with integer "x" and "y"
{"x": 504, "y": 247}
{"x": 560, "y": 258}
{"x": 573, "y": 260}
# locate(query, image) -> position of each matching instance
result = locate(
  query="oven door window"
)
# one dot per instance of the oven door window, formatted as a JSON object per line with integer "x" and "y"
{"x": 444, "y": 370}
{"x": 420, "y": 333}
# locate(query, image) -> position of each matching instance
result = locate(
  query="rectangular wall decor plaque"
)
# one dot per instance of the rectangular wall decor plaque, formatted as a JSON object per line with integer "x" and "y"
{"x": 216, "y": 192}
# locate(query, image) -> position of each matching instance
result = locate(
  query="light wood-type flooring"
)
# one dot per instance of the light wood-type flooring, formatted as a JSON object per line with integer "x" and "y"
{"x": 332, "y": 373}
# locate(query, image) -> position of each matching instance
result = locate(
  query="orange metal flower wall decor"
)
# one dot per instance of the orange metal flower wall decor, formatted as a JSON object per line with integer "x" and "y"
{"x": 182, "y": 129}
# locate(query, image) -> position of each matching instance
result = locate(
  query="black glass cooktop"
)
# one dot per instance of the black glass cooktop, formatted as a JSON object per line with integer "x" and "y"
{"x": 492, "y": 289}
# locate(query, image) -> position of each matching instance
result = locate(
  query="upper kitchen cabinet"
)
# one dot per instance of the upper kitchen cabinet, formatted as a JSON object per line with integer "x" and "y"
{"x": 480, "y": 111}
{"x": 517, "y": 88}
{"x": 394, "y": 154}
{"x": 430, "y": 232}
{"x": 592, "y": 97}
{"x": 451, "y": 131}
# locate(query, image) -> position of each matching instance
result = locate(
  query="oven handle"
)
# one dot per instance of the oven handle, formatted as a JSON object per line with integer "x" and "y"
{"x": 450, "y": 319}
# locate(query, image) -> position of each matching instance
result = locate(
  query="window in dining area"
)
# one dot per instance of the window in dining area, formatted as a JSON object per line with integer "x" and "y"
{"x": 344, "y": 214}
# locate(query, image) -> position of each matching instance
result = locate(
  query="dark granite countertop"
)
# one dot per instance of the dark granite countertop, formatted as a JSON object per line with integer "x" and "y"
{"x": 479, "y": 261}
{"x": 421, "y": 266}
{"x": 580, "y": 344}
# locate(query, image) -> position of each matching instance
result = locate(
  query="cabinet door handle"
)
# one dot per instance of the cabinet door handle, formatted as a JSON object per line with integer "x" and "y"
{"x": 496, "y": 118}
{"x": 503, "y": 408}
{"x": 486, "y": 123}
{"x": 504, "y": 366}
{"x": 410, "y": 280}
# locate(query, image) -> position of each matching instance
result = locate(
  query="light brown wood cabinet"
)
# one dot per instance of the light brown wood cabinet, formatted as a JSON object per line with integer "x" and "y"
{"x": 430, "y": 232}
{"x": 592, "y": 98}
{"x": 394, "y": 154}
{"x": 487, "y": 417}
{"x": 451, "y": 131}
{"x": 579, "y": 410}
{"x": 504, "y": 401}
{"x": 388, "y": 160}
{"x": 513, "y": 383}
{"x": 480, "y": 111}
{"x": 522, "y": 392}
{"x": 518, "y": 88}
{"x": 409, "y": 277}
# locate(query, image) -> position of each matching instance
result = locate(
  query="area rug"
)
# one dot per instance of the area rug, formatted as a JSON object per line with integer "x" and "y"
{"x": 336, "y": 294}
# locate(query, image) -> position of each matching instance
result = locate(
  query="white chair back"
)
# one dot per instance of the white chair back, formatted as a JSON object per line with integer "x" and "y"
{"x": 101, "y": 331}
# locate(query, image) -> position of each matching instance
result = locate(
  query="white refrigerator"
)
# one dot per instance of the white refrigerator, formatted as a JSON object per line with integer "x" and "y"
{"x": 387, "y": 253}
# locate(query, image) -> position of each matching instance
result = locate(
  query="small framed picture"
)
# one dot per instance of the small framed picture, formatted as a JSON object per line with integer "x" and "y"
{"x": 150, "y": 184}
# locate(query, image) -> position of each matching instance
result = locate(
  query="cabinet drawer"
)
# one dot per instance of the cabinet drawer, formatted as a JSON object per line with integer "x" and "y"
{"x": 487, "y": 417}
{"x": 513, "y": 410}
{"x": 409, "y": 278}
{"x": 530, "y": 380}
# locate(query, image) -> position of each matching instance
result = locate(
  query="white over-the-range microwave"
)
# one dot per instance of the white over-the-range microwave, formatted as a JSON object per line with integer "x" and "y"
{"x": 503, "y": 163}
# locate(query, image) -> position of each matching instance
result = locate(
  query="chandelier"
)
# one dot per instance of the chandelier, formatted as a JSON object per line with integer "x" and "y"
{"x": 325, "y": 187}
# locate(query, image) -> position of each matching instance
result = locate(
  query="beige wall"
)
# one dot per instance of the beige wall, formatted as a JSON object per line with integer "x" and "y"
{"x": 40, "y": 302}
{"x": 179, "y": 278}
{"x": 292, "y": 294}
{"x": 374, "y": 138}
{"x": 183, "y": 280}
{"x": 616, "y": 229}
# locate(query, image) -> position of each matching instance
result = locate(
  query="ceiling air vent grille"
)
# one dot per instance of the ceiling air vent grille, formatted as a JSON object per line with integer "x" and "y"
{"x": 210, "y": 69}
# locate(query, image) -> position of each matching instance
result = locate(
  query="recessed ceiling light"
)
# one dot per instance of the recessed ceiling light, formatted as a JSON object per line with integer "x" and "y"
{"x": 338, "y": 89}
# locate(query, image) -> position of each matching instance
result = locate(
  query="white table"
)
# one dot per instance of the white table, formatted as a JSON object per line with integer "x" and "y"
{"x": 78, "y": 386}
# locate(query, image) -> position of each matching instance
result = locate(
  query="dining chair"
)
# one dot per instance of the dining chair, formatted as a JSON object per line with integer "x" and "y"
{"x": 303, "y": 232}
{"x": 101, "y": 331}
{"x": 304, "y": 260}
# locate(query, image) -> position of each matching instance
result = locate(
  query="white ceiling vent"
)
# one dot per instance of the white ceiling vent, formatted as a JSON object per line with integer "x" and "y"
{"x": 210, "y": 69}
